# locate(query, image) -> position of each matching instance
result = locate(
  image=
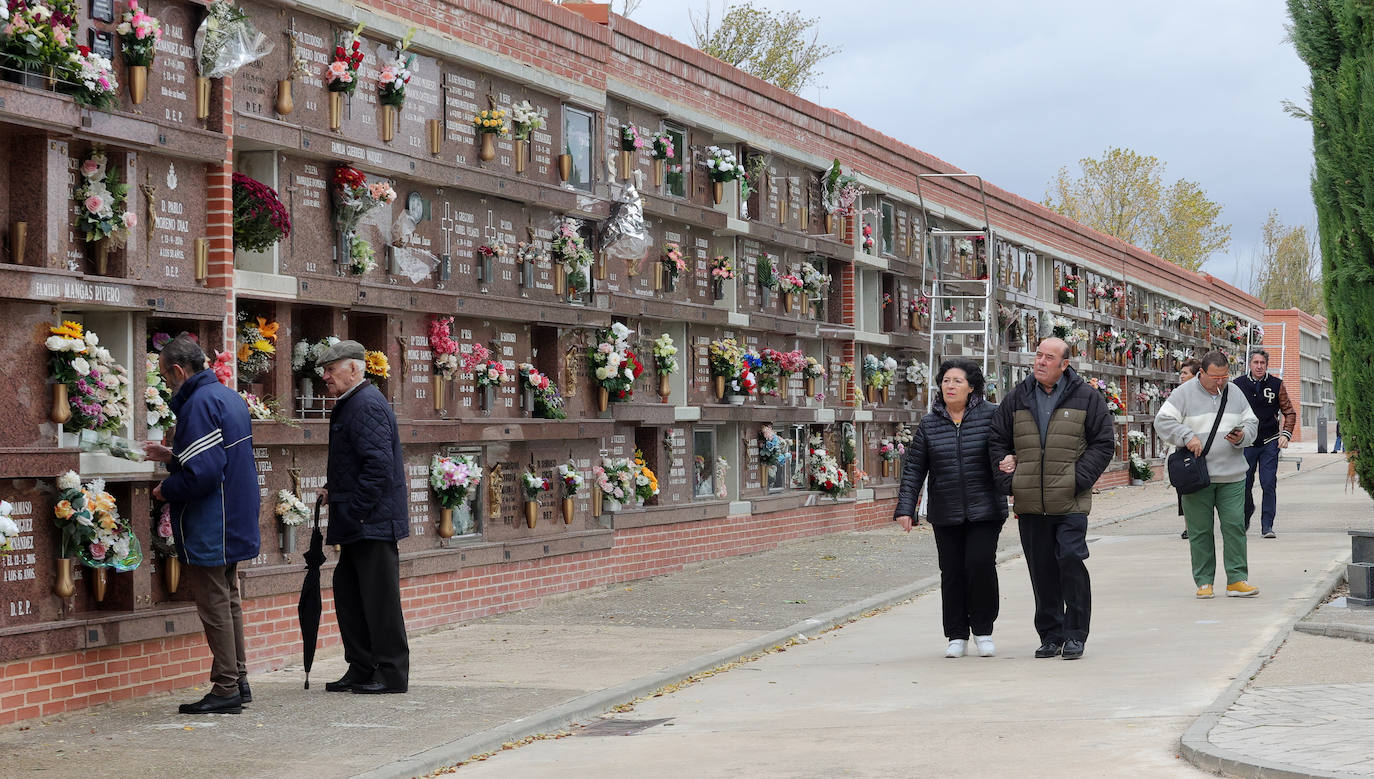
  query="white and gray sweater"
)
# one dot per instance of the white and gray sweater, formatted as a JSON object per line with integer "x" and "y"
{"x": 1191, "y": 410}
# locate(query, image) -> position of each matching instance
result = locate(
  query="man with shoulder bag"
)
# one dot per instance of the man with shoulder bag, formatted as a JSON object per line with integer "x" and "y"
{"x": 1209, "y": 472}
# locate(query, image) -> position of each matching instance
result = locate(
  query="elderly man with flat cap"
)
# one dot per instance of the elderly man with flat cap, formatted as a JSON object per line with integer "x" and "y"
{"x": 367, "y": 516}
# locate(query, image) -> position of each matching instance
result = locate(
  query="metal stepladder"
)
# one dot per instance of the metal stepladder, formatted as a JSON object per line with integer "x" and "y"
{"x": 982, "y": 293}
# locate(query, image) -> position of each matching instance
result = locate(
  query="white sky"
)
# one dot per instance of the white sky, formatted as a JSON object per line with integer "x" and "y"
{"x": 1013, "y": 90}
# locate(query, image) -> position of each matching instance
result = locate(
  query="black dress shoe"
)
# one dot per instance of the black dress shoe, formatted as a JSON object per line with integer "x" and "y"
{"x": 1184, "y": 534}
{"x": 376, "y": 688}
{"x": 1073, "y": 649}
{"x": 245, "y": 692}
{"x": 344, "y": 684}
{"x": 214, "y": 704}
{"x": 1049, "y": 649}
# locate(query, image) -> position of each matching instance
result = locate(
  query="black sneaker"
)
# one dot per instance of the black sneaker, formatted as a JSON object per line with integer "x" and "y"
{"x": 245, "y": 692}
{"x": 1073, "y": 649}
{"x": 1049, "y": 649}
{"x": 1183, "y": 535}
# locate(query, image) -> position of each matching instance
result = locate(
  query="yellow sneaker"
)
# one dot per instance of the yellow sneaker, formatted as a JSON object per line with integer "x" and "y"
{"x": 1241, "y": 590}
{"x": 1204, "y": 592}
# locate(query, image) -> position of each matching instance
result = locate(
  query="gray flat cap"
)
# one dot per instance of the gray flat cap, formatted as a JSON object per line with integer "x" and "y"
{"x": 343, "y": 350}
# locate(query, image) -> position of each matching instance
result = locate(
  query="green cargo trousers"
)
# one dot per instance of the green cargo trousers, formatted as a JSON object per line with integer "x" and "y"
{"x": 1227, "y": 500}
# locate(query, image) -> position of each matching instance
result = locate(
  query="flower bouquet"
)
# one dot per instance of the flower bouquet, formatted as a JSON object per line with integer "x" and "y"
{"x": 571, "y": 252}
{"x": 812, "y": 372}
{"x": 444, "y": 348}
{"x": 543, "y": 399}
{"x": 613, "y": 365}
{"x": 491, "y": 373}
{"x": 93, "y": 80}
{"x": 774, "y": 452}
{"x": 727, "y": 362}
{"x": 91, "y": 529}
{"x": 1068, "y": 291}
{"x": 101, "y": 213}
{"x": 890, "y": 450}
{"x": 452, "y": 479}
{"x": 673, "y": 265}
{"x": 290, "y": 510}
{"x": 91, "y": 389}
{"x": 615, "y": 477}
{"x": 9, "y": 529}
{"x": 305, "y": 355}
{"x": 341, "y": 74}
{"x": 721, "y": 271}
{"x": 646, "y": 483}
{"x": 354, "y": 197}
{"x": 376, "y": 365}
{"x": 138, "y": 36}
{"x": 788, "y": 283}
{"x": 572, "y": 480}
{"x": 394, "y": 75}
{"x": 814, "y": 283}
{"x": 868, "y": 241}
{"x": 156, "y": 396}
{"x": 825, "y": 474}
{"x": 257, "y": 339}
{"x": 665, "y": 363}
{"x": 490, "y": 124}
{"x": 524, "y": 119}
{"x": 260, "y": 219}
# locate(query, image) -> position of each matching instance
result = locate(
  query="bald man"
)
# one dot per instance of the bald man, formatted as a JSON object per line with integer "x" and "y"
{"x": 1051, "y": 439}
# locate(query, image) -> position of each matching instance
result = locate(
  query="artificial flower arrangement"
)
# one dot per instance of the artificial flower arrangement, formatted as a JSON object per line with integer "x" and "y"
{"x": 341, "y": 74}
{"x": 726, "y": 359}
{"x": 376, "y": 365}
{"x": 1068, "y": 291}
{"x": 1179, "y": 355}
{"x": 839, "y": 191}
{"x": 721, "y": 269}
{"x": 354, "y": 197}
{"x": 394, "y": 75}
{"x": 91, "y": 528}
{"x": 1111, "y": 393}
{"x": 97, "y": 386}
{"x": 257, "y": 407}
{"x": 824, "y": 473}
{"x": 9, "y": 529}
{"x": 571, "y": 477}
{"x": 778, "y": 367}
{"x": 813, "y": 281}
{"x": 1179, "y": 316}
{"x": 673, "y": 263}
{"x": 1108, "y": 339}
{"x": 661, "y": 145}
{"x": 1140, "y": 467}
{"x": 1060, "y": 326}
{"x": 102, "y": 197}
{"x": 223, "y": 366}
{"x": 646, "y": 483}
{"x": 879, "y": 373}
{"x": 721, "y": 470}
{"x": 1149, "y": 393}
{"x": 903, "y": 436}
{"x": 163, "y": 540}
{"x": 257, "y": 339}
{"x": 157, "y": 396}
{"x": 570, "y": 250}
{"x": 524, "y": 120}
{"x": 919, "y": 305}
{"x": 547, "y": 401}
{"x": 1139, "y": 347}
{"x": 788, "y": 283}
{"x": 665, "y": 355}
{"x": 868, "y": 241}
{"x": 764, "y": 273}
{"x": 488, "y": 373}
{"x": 630, "y": 139}
{"x": 1159, "y": 351}
{"x": 723, "y": 165}
{"x": 775, "y": 451}
{"x": 260, "y": 218}
{"x": 533, "y": 484}
{"x": 615, "y": 477}
{"x": 443, "y": 347}
{"x": 529, "y": 253}
{"x": 453, "y": 478}
{"x": 813, "y": 369}
{"x": 612, "y": 364}
{"x": 290, "y": 510}
{"x": 890, "y": 450}
{"x": 39, "y": 34}
{"x": 138, "y": 36}
{"x": 305, "y": 355}
{"x": 490, "y": 121}
{"x": 92, "y": 74}
{"x": 917, "y": 373}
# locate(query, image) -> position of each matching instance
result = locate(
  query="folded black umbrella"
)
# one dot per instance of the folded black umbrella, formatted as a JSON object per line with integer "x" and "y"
{"x": 310, "y": 606}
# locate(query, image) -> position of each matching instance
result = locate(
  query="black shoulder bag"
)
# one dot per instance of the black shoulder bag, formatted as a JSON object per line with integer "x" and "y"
{"x": 1188, "y": 473}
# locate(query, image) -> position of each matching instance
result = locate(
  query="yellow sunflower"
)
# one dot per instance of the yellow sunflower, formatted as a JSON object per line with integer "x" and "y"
{"x": 377, "y": 365}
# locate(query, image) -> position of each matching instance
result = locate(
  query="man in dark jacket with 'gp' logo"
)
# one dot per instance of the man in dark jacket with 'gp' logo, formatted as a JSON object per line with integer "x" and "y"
{"x": 213, "y": 492}
{"x": 368, "y": 514}
{"x": 1051, "y": 439}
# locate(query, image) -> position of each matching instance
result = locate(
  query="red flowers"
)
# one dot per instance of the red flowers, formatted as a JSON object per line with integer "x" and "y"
{"x": 348, "y": 177}
{"x": 634, "y": 362}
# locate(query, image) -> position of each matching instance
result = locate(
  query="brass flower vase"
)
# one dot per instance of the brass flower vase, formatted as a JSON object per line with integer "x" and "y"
{"x": 830, "y": 224}
{"x": 335, "y": 110}
{"x": 65, "y": 585}
{"x": 388, "y": 123}
{"x": 202, "y": 97}
{"x": 488, "y": 150}
{"x": 440, "y": 392}
{"x": 660, "y": 166}
{"x": 61, "y": 409}
{"x": 520, "y": 145}
{"x": 531, "y": 513}
{"x": 446, "y": 523}
{"x": 565, "y": 164}
{"x": 567, "y": 510}
{"x": 717, "y": 191}
{"x": 138, "y": 83}
{"x": 787, "y": 303}
{"x": 560, "y": 280}
{"x": 19, "y": 236}
{"x": 434, "y": 135}
{"x": 665, "y": 389}
{"x": 809, "y": 384}
{"x": 102, "y": 255}
{"x": 171, "y": 573}
{"x": 100, "y": 583}
{"x": 887, "y": 468}
{"x": 883, "y": 393}
{"x": 286, "y": 102}
{"x": 872, "y": 394}
{"x": 626, "y": 159}
{"x": 598, "y": 498}
{"x": 603, "y": 399}
{"x": 718, "y": 385}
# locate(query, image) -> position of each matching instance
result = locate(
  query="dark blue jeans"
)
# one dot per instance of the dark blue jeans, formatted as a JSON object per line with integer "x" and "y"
{"x": 1264, "y": 459}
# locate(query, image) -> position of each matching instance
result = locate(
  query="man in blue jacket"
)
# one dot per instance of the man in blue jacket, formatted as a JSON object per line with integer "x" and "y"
{"x": 213, "y": 490}
{"x": 368, "y": 514}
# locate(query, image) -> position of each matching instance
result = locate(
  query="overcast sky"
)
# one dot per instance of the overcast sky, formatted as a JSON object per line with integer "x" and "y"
{"x": 1013, "y": 90}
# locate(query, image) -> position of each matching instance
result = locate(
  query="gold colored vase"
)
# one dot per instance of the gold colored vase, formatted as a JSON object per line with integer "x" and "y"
{"x": 61, "y": 408}
{"x": 531, "y": 513}
{"x": 446, "y": 523}
{"x": 883, "y": 392}
{"x": 65, "y": 586}
{"x": 718, "y": 384}
{"x": 520, "y": 155}
{"x": 603, "y": 399}
{"x": 434, "y": 133}
{"x": 872, "y": 394}
{"x": 440, "y": 393}
{"x": 102, "y": 255}
{"x": 787, "y": 303}
{"x": 202, "y": 97}
{"x": 567, "y": 511}
{"x": 286, "y": 102}
{"x": 664, "y": 388}
{"x": 598, "y": 498}
{"x": 488, "y": 151}
{"x": 100, "y": 583}
{"x": 717, "y": 191}
{"x": 564, "y": 167}
{"x": 138, "y": 83}
{"x": 171, "y": 573}
{"x": 626, "y": 158}
{"x": 388, "y": 123}
{"x": 560, "y": 280}
{"x": 830, "y": 223}
{"x": 19, "y": 236}
{"x": 809, "y": 384}
{"x": 660, "y": 166}
{"x": 335, "y": 110}
{"x": 887, "y": 468}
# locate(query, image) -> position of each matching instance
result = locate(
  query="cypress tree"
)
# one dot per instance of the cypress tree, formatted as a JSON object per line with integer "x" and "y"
{"x": 1336, "y": 40}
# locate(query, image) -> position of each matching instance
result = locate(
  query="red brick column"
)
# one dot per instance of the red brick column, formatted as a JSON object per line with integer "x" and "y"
{"x": 219, "y": 222}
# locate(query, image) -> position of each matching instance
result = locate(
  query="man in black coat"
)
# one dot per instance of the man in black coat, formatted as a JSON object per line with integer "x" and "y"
{"x": 367, "y": 516}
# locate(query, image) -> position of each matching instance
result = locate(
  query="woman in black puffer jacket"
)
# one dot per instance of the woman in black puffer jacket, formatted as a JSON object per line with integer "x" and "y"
{"x": 950, "y": 447}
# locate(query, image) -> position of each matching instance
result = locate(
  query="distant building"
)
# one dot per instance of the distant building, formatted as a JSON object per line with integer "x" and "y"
{"x": 1300, "y": 351}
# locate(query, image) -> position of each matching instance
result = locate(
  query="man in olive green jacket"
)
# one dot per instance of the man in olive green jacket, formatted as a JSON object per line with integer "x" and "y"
{"x": 1051, "y": 439}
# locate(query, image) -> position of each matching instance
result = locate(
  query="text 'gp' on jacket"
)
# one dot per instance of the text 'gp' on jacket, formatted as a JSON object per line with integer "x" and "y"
{"x": 213, "y": 486}
{"x": 955, "y": 458}
{"x": 366, "y": 483}
{"x": 1057, "y": 478}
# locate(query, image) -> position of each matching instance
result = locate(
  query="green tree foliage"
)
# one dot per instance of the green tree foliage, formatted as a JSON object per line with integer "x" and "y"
{"x": 781, "y": 47}
{"x": 1123, "y": 194}
{"x": 1336, "y": 40}
{"x": 1288, "y": 274}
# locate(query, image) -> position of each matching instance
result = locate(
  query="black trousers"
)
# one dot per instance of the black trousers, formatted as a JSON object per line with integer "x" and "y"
{"x": 968, "y": 577}
{"x": 367, "y": 604}
{"x": 1055, "y": 548}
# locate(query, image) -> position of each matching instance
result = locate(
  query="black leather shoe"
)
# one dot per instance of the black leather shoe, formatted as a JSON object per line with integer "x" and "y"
{"x": 344, "y": 684}
{"x": 1184, "y": 534}
{"x": 1049, "y": 649}
{"x": 1073, "y": 649}
{"x": 245, "y": 692}
{"x": 214, "y": 704}
{"x": 376, "y": 688}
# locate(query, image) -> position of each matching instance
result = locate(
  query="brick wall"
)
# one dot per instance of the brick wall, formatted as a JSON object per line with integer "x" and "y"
{"x": 43, "y": 686}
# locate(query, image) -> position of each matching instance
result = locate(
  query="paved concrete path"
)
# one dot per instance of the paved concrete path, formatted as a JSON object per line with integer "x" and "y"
{"x": 878, "y": 699}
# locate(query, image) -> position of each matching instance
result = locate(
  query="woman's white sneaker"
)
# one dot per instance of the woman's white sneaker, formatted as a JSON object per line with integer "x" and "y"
{"x": 956, "y": 648}
{"x": 985, "y": 646}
